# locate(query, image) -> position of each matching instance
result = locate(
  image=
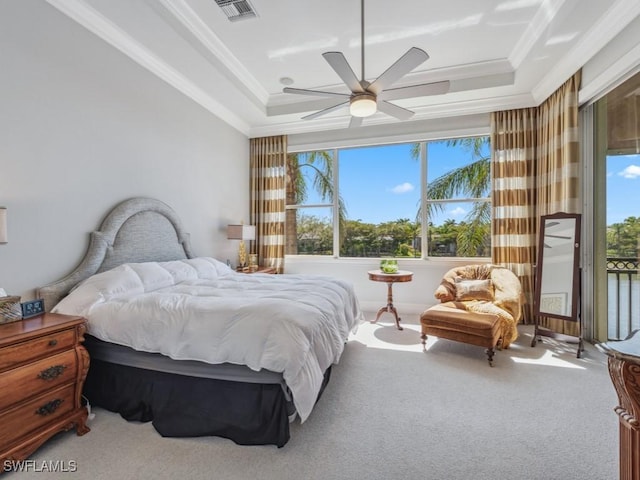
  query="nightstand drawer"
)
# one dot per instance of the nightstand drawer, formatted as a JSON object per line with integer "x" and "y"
{"x": 20, "y": 353}
{"x": 34, "y": 378}
{"x": 35, "y": 414}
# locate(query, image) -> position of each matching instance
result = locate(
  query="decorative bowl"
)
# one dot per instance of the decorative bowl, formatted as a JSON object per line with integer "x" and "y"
{"x": 389, "y": 265}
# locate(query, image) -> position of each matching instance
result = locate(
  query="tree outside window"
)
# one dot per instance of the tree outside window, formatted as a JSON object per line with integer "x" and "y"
{"x": 377, "y": 195}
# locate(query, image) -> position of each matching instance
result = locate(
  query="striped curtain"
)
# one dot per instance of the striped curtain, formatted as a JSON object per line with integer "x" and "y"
{"x": 267, "y": 171}
{"x": 535, "y": 162}
{"x": 558, "y": 169}
{"x": 513, "y": 142}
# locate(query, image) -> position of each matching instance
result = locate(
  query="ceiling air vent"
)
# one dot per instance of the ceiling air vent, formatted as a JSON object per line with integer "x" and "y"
{"x": 236, "y": 9}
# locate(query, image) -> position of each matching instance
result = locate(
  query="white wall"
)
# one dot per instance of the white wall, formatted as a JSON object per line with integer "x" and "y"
{"x": 413, "y": 297}
{"x": 82, "y": 127}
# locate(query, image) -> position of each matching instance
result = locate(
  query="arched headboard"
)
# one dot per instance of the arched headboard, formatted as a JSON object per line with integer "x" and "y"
{"x": 136, "y": 230}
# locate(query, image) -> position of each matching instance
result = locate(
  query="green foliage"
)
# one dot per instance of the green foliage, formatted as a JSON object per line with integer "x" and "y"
{"x": 395, "y": 238}
{"x": 399, "y": 238}
{"x": 404, "y": 250}
{"x": 622, "y": 238}
{"x": 314, "y": 235}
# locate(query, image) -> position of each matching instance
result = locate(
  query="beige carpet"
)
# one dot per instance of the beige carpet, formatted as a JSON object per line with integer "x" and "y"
{"x": 393, "y": 411}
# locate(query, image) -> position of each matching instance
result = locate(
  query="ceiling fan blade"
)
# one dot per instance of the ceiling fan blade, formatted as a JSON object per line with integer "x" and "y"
{"x": 557, "y": 236}
{"x": 355, "y": 122}
{"x": 344, "y": 71}
{"x": 410, "y": 60}
{"x": 315, "y": 93}
{"x": 423, "y": 90}
{"x": 394, "y": 110}
{"x": 317, "y": 114}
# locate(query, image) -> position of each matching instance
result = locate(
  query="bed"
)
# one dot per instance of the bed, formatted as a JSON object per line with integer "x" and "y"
{"x": 193, "y": 346}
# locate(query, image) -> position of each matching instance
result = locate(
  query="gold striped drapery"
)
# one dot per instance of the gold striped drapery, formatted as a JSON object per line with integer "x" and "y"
{"x": 535, "y": 159}
{"x": 558, "y": 169}
{"x": 513, "y": 143}
{"x": 267, "y": 197}
{"x": 558, "y": 175}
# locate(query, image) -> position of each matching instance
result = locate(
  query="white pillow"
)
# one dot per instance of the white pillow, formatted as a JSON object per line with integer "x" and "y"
{"x": 152, "y": 275}
{"x": 179, "y": 270}
{"x": 114, "y": 283}
{"x": 474, "y": 290}
{"x": 205, "y": 267}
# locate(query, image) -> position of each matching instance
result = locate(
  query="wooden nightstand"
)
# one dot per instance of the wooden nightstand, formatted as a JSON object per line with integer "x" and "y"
{"x": 43, "y": 366}
{"x": 261, "y": 270}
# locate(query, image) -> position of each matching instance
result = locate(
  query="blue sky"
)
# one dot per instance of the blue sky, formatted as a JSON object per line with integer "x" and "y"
{"x": 377, "y": 190}
{"x": 623, "y": 187}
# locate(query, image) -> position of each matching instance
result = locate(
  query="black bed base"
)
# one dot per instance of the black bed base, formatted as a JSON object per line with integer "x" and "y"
{"x": 184, "y": 406}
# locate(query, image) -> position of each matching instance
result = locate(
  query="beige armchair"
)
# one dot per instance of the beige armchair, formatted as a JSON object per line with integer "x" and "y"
{"x": 479, "y": 305}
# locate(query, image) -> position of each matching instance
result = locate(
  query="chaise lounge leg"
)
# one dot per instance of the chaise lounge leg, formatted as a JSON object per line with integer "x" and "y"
{"x": 424, "y": 338}
{"x": 490, "y": 353}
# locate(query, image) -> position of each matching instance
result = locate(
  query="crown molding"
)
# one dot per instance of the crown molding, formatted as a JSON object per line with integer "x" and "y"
{"x": 92, "y": 20}
{"x": 534, "y": 31}
{"x": 618, "y": 72}
{"x": 610, "y": 25}
{"x": 201, "y": 31}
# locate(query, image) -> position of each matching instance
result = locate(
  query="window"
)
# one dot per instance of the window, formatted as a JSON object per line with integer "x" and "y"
{"x": 457, "y": 198}
{"x": 391, "y": 200}
{"x": 309, "y": 199}
{"x": 380, "y": 187}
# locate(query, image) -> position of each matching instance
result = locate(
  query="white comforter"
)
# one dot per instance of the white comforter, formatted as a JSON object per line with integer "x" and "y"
{"x": 200, "y": 309}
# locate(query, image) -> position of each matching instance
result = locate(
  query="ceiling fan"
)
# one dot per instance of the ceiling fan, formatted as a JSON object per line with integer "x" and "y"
{"x": 365, "y": 97}
{"x": 552, "y": 224}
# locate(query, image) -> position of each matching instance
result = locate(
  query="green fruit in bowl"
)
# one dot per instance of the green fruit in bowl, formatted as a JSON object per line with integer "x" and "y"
{"x": 389, "y": 266}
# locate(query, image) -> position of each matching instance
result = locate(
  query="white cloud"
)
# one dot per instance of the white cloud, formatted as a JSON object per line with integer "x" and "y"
{"x": 458, "y": 211}
{"x": 403, "y": 188}
{"x": 632, "y": 171}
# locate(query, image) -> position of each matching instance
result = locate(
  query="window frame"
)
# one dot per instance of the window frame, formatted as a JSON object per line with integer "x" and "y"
{"x": 423, "y": 160}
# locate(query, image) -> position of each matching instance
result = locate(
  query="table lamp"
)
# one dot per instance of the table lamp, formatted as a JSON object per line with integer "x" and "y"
{"x": 242, "y": 233}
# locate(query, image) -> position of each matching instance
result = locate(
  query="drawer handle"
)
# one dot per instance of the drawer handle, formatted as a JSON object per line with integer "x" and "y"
{"x": 49, "y": 407}
{"x": 53, "y": 343}
{"x": 52, "y": 372}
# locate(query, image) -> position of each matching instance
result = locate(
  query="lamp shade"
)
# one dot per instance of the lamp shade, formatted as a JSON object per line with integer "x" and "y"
{"x": 3, "y": 225}
{"x": 241, "y": 232}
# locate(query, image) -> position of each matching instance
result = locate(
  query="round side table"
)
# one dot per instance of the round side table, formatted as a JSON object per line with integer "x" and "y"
{"x": 400, "y": 276}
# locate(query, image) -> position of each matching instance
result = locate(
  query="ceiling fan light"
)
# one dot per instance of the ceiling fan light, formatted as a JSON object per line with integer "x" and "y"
{"x": 363, "y": 106}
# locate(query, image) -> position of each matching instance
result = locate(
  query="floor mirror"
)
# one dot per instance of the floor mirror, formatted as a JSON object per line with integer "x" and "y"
{"x": 557, "y": 289}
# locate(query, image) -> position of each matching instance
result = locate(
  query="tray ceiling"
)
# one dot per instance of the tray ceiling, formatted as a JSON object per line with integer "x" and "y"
{"x": 498, "y": 54}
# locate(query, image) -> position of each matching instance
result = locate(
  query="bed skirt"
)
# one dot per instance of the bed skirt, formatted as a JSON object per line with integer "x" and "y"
{"x": 186, "y": 406}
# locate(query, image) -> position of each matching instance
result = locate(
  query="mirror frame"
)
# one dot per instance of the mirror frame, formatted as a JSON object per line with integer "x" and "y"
{"x": 575, "y": 288}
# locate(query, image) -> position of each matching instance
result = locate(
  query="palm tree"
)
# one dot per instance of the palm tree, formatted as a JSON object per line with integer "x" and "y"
{"x": 321, "y": 165}
{"x": 473, "y": 181}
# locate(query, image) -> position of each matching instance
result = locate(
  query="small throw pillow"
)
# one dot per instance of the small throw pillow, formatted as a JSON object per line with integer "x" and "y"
{"x": 474, "y": 290}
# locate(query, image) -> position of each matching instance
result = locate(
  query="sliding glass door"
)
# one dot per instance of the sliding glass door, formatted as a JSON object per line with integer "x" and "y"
{"x": 617, "y": 211}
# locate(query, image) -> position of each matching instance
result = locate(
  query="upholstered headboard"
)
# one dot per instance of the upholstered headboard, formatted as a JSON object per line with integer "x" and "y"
{"x": 136, "y": 230}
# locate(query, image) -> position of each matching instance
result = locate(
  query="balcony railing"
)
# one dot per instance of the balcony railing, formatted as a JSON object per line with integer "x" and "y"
{"x": 623, "y": 298}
